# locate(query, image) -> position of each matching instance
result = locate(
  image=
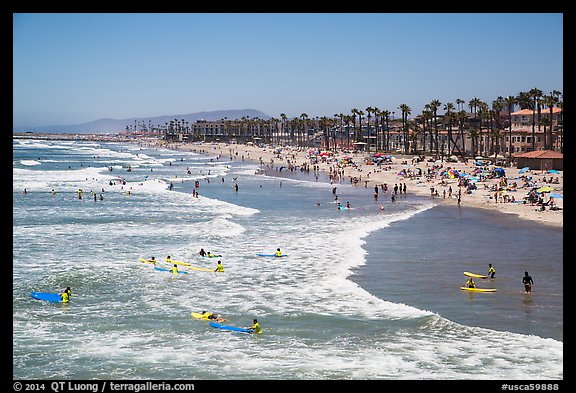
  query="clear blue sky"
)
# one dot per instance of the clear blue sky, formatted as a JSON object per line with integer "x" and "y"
{"x": 75, "y": 68}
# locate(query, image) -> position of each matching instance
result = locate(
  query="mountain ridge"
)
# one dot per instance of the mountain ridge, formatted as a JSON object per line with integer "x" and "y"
{"x": 108, "y": 125}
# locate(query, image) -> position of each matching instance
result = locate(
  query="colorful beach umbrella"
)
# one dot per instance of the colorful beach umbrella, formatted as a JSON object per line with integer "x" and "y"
{"x": 553, "y": 171}
{"x": 525, "y": 169}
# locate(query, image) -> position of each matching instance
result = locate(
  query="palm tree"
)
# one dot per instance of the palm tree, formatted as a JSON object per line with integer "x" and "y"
{"x": 283, "y": 119}
{"x": 354, "y": 112}
{"x": 426, "y": 117}
{"x": 360, "y": 136}
{"x": 304, "y": 132}
{"x": 524, "y": 101}
{"x": 497, "y": 106}
{"x": 405, "y": 112}
{"x": 473, "y": 104}
{"x": 460, "y": 102}
{"x": 510, "y": 101}
{"x": 483, "y": 114}
{"x": 377, "y": 114}
{"x": 369, "y": 112}
{"x": 434, "y": 105}
{"x": 554, "y": 100}
{"x": 385, "y": 114}
{"x": 560, "y": 106}
{"x": 448, "y": 109}
{"x": 335, "y": 137}
{"x": 535, "y": 95}
{"x": 462, "y": 117}
{"x": 348, "y": 118}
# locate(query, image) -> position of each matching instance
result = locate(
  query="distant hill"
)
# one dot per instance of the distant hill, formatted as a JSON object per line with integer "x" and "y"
{"x": 103, "y": 126}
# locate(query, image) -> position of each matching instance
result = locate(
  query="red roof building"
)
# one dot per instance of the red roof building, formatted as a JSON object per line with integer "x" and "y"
{"x": 540, "y": 159}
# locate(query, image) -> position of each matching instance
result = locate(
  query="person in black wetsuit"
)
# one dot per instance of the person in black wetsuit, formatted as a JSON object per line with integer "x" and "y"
{"x": 528, "y": 282}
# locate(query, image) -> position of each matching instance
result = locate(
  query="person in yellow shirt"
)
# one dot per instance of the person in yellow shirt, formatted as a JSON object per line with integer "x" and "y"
{"x": 278, "y": 253}
{"x": 174, "y": 269}
{"x": 255, "y": 327}
{"x": 168, "y": 259}
{"x": 65, "y": 295}
{"x": 491, "y": 270}
{"x": 219, "y": 267}
{"x": 470, "y": 283}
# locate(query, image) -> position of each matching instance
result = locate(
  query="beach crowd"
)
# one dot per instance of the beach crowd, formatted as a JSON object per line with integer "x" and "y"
{"x": 532, "y": 194}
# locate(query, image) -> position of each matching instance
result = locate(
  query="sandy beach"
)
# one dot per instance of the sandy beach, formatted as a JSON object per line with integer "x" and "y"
{"x": 503, "y": 193}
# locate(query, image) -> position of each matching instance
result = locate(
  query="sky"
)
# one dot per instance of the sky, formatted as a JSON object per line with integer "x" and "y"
{"x": 73, "y": 68}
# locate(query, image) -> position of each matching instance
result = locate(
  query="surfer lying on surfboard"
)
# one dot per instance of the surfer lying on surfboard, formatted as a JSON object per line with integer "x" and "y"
{"x": 209, "y": 315}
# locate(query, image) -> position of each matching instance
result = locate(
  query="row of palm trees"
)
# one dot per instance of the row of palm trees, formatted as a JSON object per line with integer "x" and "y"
{"x": 420, "y": 133}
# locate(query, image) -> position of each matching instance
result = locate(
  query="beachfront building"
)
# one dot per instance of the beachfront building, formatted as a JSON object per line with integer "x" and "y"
{"x": 470, "y": 134}
{"x": 543, "y": 160}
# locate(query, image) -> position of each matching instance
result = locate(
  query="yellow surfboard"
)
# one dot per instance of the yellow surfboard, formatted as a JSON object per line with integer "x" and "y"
{"x": 474, "y": 275}
{"x": 478, "y": 289}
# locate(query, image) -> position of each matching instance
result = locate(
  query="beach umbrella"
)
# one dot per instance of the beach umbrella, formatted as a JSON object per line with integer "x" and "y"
{"x": 500, "y": 171}
{"x": 553, "y": 171}
{"x": 554, "y": 195}
{"x": 525, "y": 169}
{"x": 544, "y": 189}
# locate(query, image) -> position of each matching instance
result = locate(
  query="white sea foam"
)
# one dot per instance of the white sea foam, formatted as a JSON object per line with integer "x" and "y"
{"x": 30, "y": 162}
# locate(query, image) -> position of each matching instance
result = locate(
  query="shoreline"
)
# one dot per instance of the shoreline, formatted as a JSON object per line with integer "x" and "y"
{"x": 369, "y": 176}
{"x": 421, "y": 178}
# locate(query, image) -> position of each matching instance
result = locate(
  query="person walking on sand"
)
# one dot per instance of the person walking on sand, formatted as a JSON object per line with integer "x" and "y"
{"x": 528, "y": 282}
{"x": 491, "y": 270}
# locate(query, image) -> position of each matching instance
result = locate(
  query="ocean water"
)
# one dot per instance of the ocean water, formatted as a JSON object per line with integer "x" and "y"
{"x": 362, "y": 294}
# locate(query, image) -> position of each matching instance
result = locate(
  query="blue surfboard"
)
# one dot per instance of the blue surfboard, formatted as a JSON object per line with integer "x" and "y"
{"x": 48, "y": 297}
{"x": 228, "y": 327}
{"x": 167, "y": 270}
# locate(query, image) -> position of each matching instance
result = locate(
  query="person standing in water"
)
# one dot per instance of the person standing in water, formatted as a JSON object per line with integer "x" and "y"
{"x": 528, "y": 282}
{"x": 491, "y": 271}
{"x": 65, "y": 295}
{"x": 219, "y": 267}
